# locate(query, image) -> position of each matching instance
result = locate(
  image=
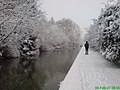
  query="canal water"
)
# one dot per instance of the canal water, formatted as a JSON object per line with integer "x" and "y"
{"x": 44, "y": 72}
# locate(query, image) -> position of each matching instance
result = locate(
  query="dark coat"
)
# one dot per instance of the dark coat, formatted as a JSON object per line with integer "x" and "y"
{"x": 86, "y": 46}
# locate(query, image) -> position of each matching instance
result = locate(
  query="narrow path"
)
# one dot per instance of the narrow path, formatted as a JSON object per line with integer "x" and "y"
{"x": 89, "y": 71}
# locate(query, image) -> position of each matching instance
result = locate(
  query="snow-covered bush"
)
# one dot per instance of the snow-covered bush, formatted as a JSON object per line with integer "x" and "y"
{"x": 28, "y": 46}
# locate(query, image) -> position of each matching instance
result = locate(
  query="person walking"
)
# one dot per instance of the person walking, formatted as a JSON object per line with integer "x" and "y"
{"x": 86, "y": 47}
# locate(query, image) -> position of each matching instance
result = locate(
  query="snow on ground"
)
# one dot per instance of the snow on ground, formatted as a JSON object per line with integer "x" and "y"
{"x": 89, "y": 71}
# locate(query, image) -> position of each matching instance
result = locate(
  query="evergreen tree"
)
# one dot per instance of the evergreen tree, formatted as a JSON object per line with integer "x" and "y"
{"x": 108, "y": 28}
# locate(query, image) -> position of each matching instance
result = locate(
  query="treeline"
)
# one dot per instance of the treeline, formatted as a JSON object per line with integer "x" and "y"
{"x": 25, "y": 30}
{"x": 104, "y": 33}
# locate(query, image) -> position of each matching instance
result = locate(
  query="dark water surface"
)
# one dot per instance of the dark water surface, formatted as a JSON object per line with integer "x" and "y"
{"x": 44, "y": 72}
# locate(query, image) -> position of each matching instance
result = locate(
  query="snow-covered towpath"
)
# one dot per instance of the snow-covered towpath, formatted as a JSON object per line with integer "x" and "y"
{"x": 89, "y": 71}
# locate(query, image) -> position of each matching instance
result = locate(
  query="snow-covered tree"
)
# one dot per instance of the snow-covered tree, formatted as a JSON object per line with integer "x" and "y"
{"x": 71, "y": 29}
{"x": 93, "y": 35}
{"x": 107, "y": 30}
{"x": 20, "y": 19}
{"x": 18, "y": 24}
{"x": 51, "y": 36}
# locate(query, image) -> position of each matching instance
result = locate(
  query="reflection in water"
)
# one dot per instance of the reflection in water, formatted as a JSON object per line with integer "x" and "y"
{"x": 44, "y": 72}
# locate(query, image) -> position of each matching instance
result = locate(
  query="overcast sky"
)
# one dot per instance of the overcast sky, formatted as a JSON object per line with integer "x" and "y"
{"x": 80, "y": 11}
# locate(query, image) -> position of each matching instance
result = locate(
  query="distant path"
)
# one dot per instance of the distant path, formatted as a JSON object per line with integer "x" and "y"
{"x": 89, "y": 71}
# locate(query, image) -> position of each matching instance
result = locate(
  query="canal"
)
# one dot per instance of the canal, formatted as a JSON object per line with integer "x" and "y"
{"x": 44, "y": 72}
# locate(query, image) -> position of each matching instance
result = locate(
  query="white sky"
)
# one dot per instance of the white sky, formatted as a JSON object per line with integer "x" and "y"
{"x": 80, "y": 11}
